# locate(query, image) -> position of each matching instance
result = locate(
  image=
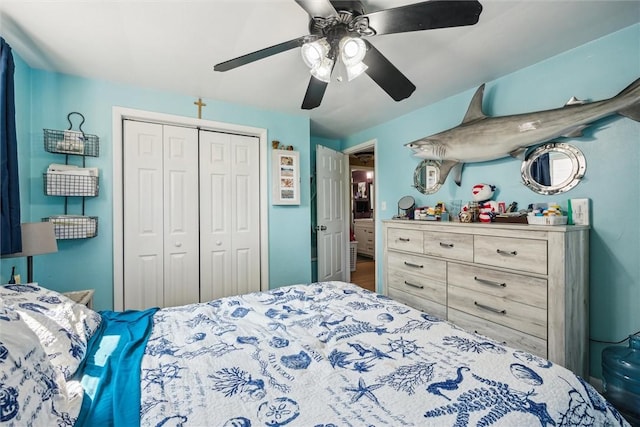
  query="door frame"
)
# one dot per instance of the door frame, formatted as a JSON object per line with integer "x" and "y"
{"x": 118, "y": 115}
{"x": 354, "y": 149}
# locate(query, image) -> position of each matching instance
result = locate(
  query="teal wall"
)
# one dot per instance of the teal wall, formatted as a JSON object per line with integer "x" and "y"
{"x": 43, "y": 100}
{"x": 595, "y": 71}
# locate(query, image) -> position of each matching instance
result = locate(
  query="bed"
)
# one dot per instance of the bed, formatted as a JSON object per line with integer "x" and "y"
{"x": 323, "y": 354}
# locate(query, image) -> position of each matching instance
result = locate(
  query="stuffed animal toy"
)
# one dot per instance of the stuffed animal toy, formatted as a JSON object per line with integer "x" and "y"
{"x": 487, "y": 208}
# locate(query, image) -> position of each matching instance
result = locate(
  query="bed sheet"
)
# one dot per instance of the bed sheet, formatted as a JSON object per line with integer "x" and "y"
{"x": 332, "y": 354}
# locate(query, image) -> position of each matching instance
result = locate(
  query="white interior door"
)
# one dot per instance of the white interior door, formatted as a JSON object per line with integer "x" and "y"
{"x": 160, "y": 215}
{"x": 229, "y": 214}
{"x": 330, "y": 216}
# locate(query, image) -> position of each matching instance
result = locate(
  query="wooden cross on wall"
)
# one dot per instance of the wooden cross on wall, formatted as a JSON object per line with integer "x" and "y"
{"x": 200, "y": 104}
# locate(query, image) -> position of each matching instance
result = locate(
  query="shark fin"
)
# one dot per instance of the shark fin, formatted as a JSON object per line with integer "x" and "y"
{"x": 519, "y": 153}
{"x": 446, "y": 167}
{"x": 475, "y": 107}
{"x": 575, "y": 133}
{"x": 575, "y": 101}
{"x": 632, "y": 112}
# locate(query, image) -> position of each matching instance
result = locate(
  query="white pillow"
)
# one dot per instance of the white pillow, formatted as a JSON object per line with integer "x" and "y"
{"x": 32, "y": 391}
{"x": 62, "y": 326}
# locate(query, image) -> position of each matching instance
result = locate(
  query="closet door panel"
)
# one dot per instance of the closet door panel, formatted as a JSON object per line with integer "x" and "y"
{"x": 215, "y": 215}
{"x": 181, "y": 228}
{"x": 246, "y": 220}
{"x": 229, "y": 216}
{"x": 143, "y": 217}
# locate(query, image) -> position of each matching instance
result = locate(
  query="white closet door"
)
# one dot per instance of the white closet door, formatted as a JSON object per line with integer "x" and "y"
{"x": 160, "y": 215}
{"x": 229, "y": 215}
{"x": 181, "y": 253}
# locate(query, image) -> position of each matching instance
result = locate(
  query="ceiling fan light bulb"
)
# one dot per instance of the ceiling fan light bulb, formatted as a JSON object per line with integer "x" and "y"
{"x": 352, "y": 50}
{"x": 323, "y": 70}
{"x": 314, "y": 52}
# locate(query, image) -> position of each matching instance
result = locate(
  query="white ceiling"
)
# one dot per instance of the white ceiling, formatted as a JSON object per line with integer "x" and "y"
{"x": 173, "y": 45}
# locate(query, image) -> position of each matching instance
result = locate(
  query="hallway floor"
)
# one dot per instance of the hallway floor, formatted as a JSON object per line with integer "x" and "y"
{"x": 365, "y": 274}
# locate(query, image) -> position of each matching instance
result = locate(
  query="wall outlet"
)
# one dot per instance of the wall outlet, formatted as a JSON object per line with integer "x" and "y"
{"x": 383, "y": 206}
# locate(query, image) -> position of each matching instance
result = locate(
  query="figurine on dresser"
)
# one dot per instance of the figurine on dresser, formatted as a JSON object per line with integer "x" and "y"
{"x": 482, "y": 209}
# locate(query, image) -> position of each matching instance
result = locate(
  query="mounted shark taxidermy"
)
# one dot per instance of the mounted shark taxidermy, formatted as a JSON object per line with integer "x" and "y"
{"x": 480, "y": 138}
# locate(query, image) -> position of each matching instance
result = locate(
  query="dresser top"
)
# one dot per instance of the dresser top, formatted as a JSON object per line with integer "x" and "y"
{"x": 475, "y": 226}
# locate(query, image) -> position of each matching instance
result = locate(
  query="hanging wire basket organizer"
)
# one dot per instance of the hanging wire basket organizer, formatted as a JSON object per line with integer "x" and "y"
{"x": 72, "y": 141}
{"x": 73, "y": 226}
{"x": 56, "y": 184}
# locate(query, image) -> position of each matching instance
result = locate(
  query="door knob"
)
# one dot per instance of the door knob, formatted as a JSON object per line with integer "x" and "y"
{"x": 321, "y": 227}
{"x": 218, "y": 242}
{"x": 178, "y": 244}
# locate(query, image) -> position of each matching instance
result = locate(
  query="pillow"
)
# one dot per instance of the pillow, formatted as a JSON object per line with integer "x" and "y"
{"x": 32, "y": 391}
{"x": 62, "y": 326}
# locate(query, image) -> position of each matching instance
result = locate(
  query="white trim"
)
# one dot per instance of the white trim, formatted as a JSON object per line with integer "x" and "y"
{"x": 121, "y": 113}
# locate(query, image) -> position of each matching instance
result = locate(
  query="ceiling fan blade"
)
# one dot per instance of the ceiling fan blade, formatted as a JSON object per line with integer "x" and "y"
{"x": 317, "y": 8}
{"x": 427, "y": 15}
{"x": 262, "y": 53}
{"x": 386, "y": 75}
{"x": 314, "y": 95}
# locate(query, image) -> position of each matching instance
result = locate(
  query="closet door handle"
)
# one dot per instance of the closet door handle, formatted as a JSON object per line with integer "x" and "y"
{"x": 413, "y": 285}
{"x": 501, "y": 252}
{"x": 489, "y": 282}
{"x": 410, "y": 264}
{"x": 178, "y": 244}
{"x": 486, "y": 307}
{"x": 446, "y": 245}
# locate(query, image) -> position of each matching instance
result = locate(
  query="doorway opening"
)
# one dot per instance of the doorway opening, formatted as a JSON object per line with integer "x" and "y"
{"x": 362, "y": 188}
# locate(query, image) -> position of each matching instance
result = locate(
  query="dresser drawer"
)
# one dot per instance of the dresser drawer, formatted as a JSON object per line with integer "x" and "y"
{"x": 419, "y": 276}
{"x": 422, "y": 304}
{"x": 518, "y": 254}
{"x": 405, "y": 240}
{"x": 449, "y": 245}
{"x": 515, "y": 315}
{"x": 499, "y": 333}
{"x": 515, "y": 287}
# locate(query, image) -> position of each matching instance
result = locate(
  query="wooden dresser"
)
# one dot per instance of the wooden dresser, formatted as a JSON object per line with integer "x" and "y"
{"x": 522, "y": 285}
{"x": 364, "y": 229}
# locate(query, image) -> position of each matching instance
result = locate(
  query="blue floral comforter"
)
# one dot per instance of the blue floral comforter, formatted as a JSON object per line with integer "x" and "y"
{"x": 332, "y": 354}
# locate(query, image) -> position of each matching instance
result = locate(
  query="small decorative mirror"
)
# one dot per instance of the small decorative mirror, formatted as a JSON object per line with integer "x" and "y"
{"x": 426, "y": 177}
{"x": 553, "y": 168}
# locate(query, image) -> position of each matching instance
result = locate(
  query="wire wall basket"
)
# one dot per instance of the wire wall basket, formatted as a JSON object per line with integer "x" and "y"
{"x": 71, "y": 141}
{"x": 73, "y": 226}
{"x": 57, "y": 184}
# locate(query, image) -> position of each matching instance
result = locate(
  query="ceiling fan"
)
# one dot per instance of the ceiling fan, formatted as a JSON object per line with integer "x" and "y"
{"x": 337, "y": 30}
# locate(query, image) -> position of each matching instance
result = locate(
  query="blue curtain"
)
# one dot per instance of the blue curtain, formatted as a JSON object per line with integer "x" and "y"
{"x": 10, "y": 233}
{"x": 540, "y": 170}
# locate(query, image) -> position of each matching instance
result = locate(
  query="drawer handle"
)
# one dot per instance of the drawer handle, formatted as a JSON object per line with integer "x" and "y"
{"x": 501, "y": 252}
{"x": 413, "y": 285}
{"x": 489, "y": 282}
{"x": 486, "y": 307}
{"x": 446, "y": 245}
{"x": 403, "y": 239}
{"x": 410, "y": 264}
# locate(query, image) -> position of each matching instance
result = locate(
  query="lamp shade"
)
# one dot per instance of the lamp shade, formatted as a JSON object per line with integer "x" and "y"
{"x": 37, "y": 238}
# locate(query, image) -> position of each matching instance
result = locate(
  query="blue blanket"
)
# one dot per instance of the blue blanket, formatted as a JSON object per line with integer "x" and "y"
{"x": 110, "y": 373}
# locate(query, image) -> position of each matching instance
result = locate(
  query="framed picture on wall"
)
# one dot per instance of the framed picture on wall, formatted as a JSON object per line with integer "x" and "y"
{"x": 286, "y": 177}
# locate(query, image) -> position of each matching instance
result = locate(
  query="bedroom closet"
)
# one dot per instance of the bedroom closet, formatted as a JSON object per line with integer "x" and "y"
{"x": 191, "y": 214}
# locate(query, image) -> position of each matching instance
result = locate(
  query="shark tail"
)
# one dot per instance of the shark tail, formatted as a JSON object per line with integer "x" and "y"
{"x": 632, "y": 112}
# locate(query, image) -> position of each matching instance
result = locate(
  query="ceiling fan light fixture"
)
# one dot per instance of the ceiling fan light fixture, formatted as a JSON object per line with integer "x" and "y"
{"x": 354, "y": 71}
{"x": 323, "y": 70}
{"x": 352, "y": 50}
{"x": 314, "y": 52}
